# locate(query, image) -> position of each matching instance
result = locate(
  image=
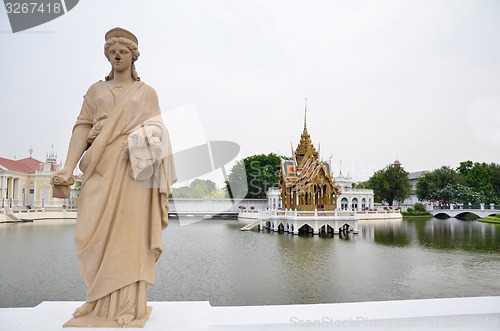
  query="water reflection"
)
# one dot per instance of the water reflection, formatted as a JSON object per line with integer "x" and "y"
{"x": 436, "y": 233}
{"x": 213, "y": 260}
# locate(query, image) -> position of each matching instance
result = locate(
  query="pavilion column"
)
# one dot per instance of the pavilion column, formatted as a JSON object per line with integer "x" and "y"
{"x": 325, "y": 196}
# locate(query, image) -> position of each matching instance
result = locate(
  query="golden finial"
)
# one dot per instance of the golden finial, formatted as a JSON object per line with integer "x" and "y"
{"x": 305, "y": 115}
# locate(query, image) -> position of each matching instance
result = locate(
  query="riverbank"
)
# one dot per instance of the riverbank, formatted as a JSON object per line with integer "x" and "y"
{"x": 416, "y": 214}
{"x": 491, "y": 219}
{"x": 18, "y": 216}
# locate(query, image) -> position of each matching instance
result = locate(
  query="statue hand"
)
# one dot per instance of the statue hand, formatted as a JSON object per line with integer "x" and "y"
{"x": 64, "y": 175}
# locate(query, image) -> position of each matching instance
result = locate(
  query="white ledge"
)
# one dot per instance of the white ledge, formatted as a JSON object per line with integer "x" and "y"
{"x": 476, "y": 313}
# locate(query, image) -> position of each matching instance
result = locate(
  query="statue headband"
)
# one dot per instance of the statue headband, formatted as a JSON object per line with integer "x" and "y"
{"x": 119, "y": 32}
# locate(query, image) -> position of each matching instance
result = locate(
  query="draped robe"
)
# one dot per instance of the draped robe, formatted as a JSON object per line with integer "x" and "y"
{"x": 119, "y": 224}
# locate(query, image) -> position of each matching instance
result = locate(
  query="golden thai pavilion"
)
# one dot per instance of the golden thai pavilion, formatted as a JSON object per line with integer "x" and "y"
{"x": 305, "y": 181}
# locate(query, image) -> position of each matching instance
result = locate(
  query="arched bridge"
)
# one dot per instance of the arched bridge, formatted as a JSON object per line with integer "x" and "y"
{"x": 481, "y": 211}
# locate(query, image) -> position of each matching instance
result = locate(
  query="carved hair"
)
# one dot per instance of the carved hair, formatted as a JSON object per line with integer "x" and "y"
{"x": 133, "y": 49}
{"x": 154, "y": 145}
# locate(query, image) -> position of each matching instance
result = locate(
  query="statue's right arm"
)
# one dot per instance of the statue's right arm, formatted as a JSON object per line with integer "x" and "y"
{"x": 77, "y": 146}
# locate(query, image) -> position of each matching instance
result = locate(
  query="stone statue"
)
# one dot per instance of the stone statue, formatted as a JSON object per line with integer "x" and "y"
{"x": 128, "y": 172}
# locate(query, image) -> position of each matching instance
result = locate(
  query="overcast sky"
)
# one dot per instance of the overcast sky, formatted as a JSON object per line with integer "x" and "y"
{"x": 414, "y": 80}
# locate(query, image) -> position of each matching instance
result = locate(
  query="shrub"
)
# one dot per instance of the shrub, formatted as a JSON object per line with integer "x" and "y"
{"x": 419, "y": 207}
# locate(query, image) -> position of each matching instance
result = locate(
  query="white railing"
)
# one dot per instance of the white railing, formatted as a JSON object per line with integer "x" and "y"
{"x": 32, "y": 211}
{"x": 358, "y": 190}
{"x": 18, "y": 204}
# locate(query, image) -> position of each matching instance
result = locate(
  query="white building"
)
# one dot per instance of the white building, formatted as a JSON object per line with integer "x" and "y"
{"x": 413, "y": 178}
{"x": 353, "y": 198}
{"x": 26, "y": 183}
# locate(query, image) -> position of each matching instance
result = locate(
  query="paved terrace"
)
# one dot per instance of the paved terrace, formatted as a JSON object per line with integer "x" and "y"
{"x": 476, "y": 313}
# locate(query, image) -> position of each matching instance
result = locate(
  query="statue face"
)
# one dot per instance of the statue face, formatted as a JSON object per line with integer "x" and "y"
{"x": 141, "y": 160}
{"x": 120, "y": 57}
{"x": 141, "y": 157}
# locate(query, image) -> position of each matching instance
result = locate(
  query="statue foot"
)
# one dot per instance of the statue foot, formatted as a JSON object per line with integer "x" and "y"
{"x": 124, "y": 319}
{"x": 84, "y": 310}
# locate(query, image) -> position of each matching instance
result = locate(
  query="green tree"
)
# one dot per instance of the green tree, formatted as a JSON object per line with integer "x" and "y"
{"x": 254, "y": 173}
{"x": 198, "y": 188}
{"x": 180, "y": 192}
{"x": 362, "y": 185}
{"x": 211, "y": 186}
{"x": 458, "y": 193}
{"x": 432, "y": 182}
{"x": 390, "y": 184}
{"x": 476, "y": 176}
{"x": 495, "y": 181}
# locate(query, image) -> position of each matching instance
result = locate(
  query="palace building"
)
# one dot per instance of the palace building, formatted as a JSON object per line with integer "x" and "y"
{"x": 26, "y": 182}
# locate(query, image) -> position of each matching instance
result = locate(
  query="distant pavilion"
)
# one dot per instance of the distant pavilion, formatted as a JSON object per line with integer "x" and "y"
{"x": 305, "y": 181}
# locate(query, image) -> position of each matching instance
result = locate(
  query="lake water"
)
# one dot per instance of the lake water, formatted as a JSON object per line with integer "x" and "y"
{"x": 212, "y": 260}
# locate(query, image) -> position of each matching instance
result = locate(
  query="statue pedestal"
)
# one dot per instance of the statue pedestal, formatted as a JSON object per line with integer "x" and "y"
{"x": 90, "y": 321}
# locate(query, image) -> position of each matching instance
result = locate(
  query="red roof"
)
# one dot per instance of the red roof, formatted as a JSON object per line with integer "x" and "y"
{"x": 27, "y": 166}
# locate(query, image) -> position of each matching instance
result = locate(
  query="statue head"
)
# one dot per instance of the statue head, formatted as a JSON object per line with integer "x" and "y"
{"x": 124, "y": 37}
{"x": 143, "y": 157}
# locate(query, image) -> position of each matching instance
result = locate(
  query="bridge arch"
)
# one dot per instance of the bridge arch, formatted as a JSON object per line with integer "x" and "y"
{"x": 459, "y": 213}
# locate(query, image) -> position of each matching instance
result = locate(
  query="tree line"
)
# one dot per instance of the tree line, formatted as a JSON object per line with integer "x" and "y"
{"x": 199, "y": 188}
{"x": 471, "y": 182}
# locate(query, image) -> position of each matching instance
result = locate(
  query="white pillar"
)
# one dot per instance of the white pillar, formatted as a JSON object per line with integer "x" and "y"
{"x": 11, "y": 191}
{"x": 492, "y": 206}
{"x": 482, "y": 206}
{"x": 17, "y": 191}
{"x": 2, "y": 186}
{"x": 2, "y": 191}
{"x": 295, "y": 228}
{"x": 316, "y": 229}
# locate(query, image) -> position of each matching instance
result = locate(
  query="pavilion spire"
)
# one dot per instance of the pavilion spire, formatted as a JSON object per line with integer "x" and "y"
{"x": 305, "y": 115}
